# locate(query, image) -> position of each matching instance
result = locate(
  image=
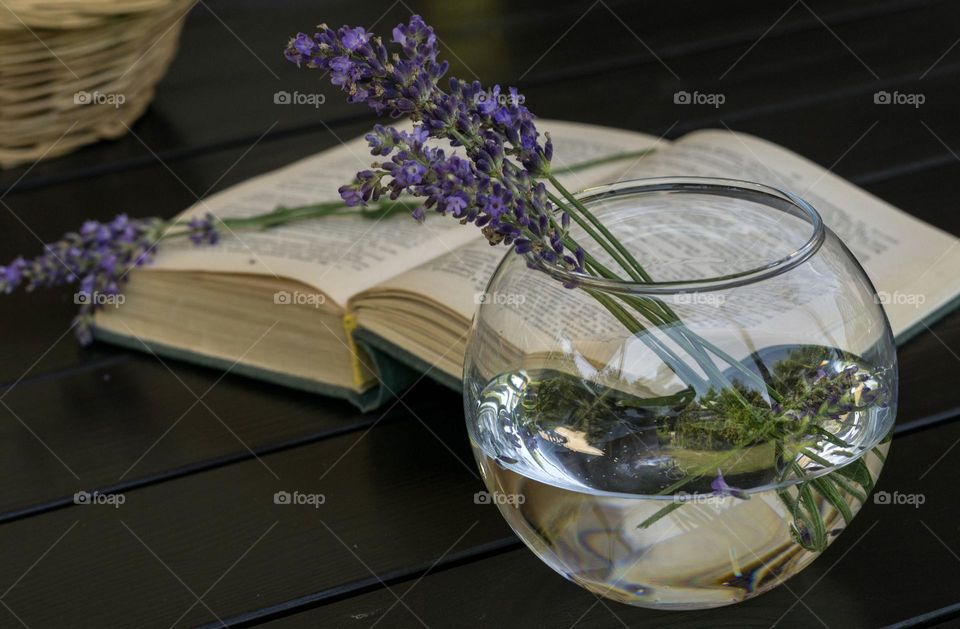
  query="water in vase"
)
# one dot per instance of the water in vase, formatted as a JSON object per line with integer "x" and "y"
{"x": 629, "y": 501}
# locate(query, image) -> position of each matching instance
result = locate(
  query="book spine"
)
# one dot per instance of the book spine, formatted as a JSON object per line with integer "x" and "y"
{"x": 350, "y": 326}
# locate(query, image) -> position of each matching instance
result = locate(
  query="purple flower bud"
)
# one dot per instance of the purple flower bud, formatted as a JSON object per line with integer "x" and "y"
{"x": 720, "y": 486}
{"x": 555, "y": 242}
{"x": 341, "y": 65}
{"x": 495, "y": 206}
{"x": 108, "y": 263}
{"x": 87, "y": 284}
{"x": 12, "y": 274}
{"x": 350, "y": 195}
{"x": 303, "y": 44}
{"x": 203, "y": 229}
{"x": 456, "y": 203}
{"x": 353, "y": 38}
{"x": 410, "y": 173}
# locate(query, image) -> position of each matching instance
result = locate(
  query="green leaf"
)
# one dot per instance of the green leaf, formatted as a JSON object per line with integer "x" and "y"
{"x": 805, "y": 512}
{"x": 828, "y": 490}
{"x": 670, "y": 508}
{"x": 678, "y": 399}
{"x": 858, "y": 472}
{"x": 843, "y": 483}
{"x": 814, "y": 521}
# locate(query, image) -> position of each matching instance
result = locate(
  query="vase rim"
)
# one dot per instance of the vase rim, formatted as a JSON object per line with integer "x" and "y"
{"x": 703, "y": 185}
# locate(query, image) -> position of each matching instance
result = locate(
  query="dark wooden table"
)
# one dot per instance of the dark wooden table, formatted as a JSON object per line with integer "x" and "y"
{"x": 197, "y": 454}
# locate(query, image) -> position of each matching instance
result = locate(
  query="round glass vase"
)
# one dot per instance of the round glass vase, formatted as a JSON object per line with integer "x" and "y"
{"x": 694, "y": 438}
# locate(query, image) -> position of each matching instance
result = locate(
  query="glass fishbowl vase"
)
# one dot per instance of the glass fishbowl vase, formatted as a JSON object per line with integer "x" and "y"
{"x": 694, "y": 434}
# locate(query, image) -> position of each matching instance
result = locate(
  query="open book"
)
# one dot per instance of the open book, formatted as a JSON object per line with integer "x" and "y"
{"x": 360, "y": 308}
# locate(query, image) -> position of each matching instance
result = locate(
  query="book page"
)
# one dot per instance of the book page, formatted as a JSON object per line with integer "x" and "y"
{"x": 914, "y": 266}
{"x": 336, "y": 255}
{"x": 344, "y": 255}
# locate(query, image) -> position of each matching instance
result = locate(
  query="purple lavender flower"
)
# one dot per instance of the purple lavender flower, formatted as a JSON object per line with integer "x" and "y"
{"x": 99, "y": 256}
{"x": 456, "y": 203}
{"x": 495, "y": 185}
{"x": 353, "y": 38}
{"x": 410, "y": 173}
{"x": 203, "y": 230}
{"x": 12, "y": 274}
{"x": 720, "y": 486}
{"x": 304, "y": 44}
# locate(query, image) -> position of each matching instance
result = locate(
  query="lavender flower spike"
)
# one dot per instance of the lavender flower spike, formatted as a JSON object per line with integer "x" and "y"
{"x": 494, "y": 185}
{"x": 99, "y": 256}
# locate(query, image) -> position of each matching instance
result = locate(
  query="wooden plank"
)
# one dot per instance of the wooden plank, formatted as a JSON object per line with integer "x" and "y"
{"x": 880, "y": 571}
{"x": 399, "y": 496}
{"x": 136, "y": 422}
{"x": 842, "y": 128}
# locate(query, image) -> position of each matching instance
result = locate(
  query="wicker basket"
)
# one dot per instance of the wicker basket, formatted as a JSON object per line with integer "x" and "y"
{"x": 75, "y": 71}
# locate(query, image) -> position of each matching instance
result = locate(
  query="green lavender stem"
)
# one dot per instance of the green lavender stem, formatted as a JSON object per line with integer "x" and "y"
{"x": 600, "y": 161}
{"x": 666, "y": 319}
{"x": 376, "y": 210}
{"x": 666, "y": 354}
{"x": 695, "y": 345}
{"x": 284, "y": 216}
{"x": 634, "y": 266}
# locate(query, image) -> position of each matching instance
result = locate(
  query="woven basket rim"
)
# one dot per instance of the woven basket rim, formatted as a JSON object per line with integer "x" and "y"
{"x": 81, "y": 77}
{"x": 74, "y": 14}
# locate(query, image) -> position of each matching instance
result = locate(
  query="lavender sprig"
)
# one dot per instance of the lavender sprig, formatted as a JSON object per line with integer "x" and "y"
{"x": 495, "y": 186}
{"x": 99, "y": 256}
